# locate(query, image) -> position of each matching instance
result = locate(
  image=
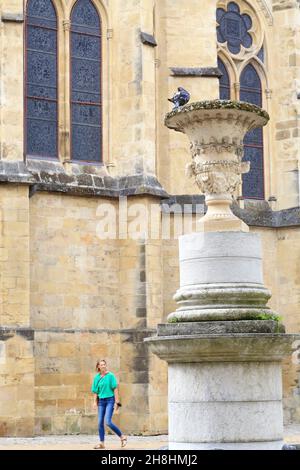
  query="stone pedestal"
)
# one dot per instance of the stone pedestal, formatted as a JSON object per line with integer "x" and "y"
{"x": 224, "y": 348}
{"x": 225, "y": 388}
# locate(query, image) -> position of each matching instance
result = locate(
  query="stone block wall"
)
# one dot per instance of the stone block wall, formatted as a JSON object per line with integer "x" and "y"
{"x": 91, "y": 299}
{"x": 64, "y": 369}
{"x": 16, "y": 337}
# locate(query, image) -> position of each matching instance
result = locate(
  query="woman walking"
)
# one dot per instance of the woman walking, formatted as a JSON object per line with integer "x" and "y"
{"x": 106, "y": 398}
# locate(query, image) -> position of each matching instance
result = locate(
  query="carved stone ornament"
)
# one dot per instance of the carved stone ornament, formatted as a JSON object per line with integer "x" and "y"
{"x": 215, "y": 176}
{"x": 216, "y": 130}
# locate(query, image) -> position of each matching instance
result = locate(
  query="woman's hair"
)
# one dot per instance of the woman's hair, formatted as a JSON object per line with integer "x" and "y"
{"x": 98, "y": 363}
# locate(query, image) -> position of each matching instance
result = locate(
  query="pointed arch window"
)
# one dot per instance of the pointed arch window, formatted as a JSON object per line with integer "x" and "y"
{"x": 251, "y": 92}
{"x": 224, "y": 81}
{"x": 86, "y": 95}
{"x": 41, "y": 122}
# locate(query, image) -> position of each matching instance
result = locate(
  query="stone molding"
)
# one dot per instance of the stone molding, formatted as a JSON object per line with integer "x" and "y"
{"x": 266, "y": 11}
{"x": 233, "y": 347}
{"x": 88, "y": 181}
{"x": 15, "y": 172}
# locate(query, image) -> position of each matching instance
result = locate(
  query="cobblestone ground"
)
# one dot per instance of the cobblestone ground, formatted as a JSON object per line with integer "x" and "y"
{"x": 84, "y": 442}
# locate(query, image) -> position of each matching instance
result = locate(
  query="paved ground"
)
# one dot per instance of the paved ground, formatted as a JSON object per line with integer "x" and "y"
{"x": 83, "y": 442}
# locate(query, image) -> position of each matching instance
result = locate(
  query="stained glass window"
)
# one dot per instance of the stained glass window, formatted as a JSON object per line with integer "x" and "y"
{"x": 253, "y": 182}
{"x": 41, "y": 79}
{"x": 86, "y": 103}
{"x": 233, "y": 28}
{"x": 224, "y": 81}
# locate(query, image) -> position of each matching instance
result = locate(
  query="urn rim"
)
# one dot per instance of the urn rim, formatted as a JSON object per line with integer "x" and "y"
{"x": 209, "y": 105}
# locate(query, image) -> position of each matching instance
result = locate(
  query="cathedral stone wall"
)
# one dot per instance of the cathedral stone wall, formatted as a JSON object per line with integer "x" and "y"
{"x": 69, "y": 296}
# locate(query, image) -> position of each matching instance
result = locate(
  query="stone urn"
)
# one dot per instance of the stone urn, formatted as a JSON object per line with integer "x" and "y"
{"x": 216, "y": 130}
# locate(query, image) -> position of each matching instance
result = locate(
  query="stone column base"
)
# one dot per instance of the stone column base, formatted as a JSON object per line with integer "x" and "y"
{"x": 225, "y": 389}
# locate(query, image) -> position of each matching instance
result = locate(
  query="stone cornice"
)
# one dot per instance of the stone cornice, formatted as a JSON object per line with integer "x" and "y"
{"x": 9, "y": 332}
{"x": 51, "y": 177}
{"x": 256, "y": 213}
{"x": 233, "y": 347}
{"x": 15, "y": 172}
{"x": 87, "y": 181}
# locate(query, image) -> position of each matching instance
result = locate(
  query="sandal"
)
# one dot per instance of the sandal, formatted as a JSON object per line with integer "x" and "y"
{"x": 100, "y": 446}
{"x": 123, "y": 441}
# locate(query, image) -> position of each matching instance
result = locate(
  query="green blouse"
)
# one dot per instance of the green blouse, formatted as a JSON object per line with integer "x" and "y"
{"x": 104, "y": 386}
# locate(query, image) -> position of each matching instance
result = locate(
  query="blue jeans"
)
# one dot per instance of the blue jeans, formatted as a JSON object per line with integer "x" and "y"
{"x": 106, "y": 410}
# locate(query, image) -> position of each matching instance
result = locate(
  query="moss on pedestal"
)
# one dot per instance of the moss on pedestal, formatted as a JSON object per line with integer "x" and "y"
{"x": 219, "y": 104}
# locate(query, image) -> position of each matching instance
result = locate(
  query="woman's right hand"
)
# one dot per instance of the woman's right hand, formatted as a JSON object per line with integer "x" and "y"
{"x": 95, "y": 405}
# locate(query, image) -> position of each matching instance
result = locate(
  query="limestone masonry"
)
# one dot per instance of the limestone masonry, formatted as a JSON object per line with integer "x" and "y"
{"x": 67, "y": 295}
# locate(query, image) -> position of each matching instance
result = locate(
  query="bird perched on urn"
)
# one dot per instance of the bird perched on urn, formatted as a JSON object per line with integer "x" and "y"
{"x": 180, "y": 98}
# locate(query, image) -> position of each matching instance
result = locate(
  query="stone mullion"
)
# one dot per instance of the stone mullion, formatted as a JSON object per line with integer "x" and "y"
{"x": 65, "y": 68}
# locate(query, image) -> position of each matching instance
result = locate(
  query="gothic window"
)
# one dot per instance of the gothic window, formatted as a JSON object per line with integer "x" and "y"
{"x": 41, "y": 79}
{"x": 86, "y": 102}
{"x": 233, "y": 28}
{"x": 251, "y": 92}
{"x": 224, "y": 81}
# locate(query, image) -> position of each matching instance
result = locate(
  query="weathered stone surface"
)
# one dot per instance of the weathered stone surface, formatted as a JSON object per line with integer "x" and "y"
{"x": 226, "y": 422}
{"x": 17, "y": 381}
{"x": 284, "y": 4}
{"x": 219, "y": 327}
{"x": 15, "y": 172}
{"x": 141, "y": 184}
{"x": 242, "y": 347}
{"x": 225, "y": 382}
